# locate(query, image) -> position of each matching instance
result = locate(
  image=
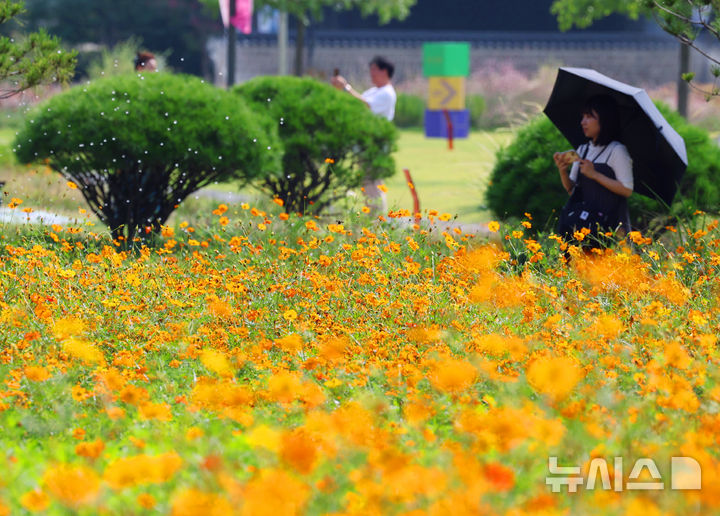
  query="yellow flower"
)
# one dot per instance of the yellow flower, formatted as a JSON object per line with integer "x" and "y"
{"x": 493, "y": 226}
{"x": 68, "y": 327}
{"x": 72, "y": 185}
{"x": 83, "y": 351}
{"x": 290, "y": 315}
{"x": 264, "y": 437}
{"x": 216, "y": 362}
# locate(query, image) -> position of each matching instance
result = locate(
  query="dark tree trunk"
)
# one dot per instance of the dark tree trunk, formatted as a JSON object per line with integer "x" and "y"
{"x": 299, "y": 47}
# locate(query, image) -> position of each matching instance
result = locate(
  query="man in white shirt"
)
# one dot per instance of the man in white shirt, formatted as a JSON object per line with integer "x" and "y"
{"x": 380, "y": 99}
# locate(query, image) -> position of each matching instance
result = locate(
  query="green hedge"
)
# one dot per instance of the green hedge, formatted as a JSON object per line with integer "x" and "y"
{"x": 476, "y": 105}
{"x": 409, "y": 111}
{"x": 136, "y": 146}
{"x": 331, "y": 140}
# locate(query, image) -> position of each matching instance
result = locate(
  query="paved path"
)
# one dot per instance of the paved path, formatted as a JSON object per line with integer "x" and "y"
{"x": 17, "y": 216}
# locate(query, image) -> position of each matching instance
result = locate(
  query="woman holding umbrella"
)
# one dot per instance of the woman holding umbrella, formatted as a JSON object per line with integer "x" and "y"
{"x": 598, "y": 176}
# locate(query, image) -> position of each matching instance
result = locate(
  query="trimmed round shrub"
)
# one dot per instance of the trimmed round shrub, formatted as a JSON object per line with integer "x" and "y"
{"x": 476, "y": 105}
{"x": 137, "y": 145}
{"x": 409, "y": 111}
{"x": 525, "y": 178}
{"x": 330, "y": 139}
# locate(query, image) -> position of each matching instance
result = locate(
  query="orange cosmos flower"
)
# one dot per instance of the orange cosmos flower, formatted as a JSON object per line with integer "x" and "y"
{"x": 299, "y": 450}
{"x": 555, "y": 377}
{"x": 159, "y": 411}
{"x": 222, "y": 208}
{"x": 35, "y": 500}
{"x": 142, "y": 469}
{"x": 453, "y": 375}
{"x": 146, "y": 500}
{"x": 36, "y": 373}
{"x": 291, "y": 343}
{"x": 73, "y": 486}
{"x": 193, "y": 502}
{"x": 502, "y": 478}
{"x": 91, "y": 450}
{"x": 274, "y": 493}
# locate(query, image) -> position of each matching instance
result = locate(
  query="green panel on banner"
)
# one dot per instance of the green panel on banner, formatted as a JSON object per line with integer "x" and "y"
{"x": 446, "y": 59}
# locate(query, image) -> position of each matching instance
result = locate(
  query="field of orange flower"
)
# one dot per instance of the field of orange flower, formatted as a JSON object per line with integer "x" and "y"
{"x": 276, "y": 365}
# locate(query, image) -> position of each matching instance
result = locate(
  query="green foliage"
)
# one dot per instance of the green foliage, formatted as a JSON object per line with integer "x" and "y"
{"x": 582, "y": 13}
{"x": 331, "y": 140}
{"x": 525, "y": 178}
{"x": 409, "y": 110}
{"x": 31, "y": 60}
{"x": 476, "y": 105}
{"x": 178, "y": 29}
{"x": 136, "y": 146}
{"x": 119, "y": 60}
{"x": 386, "y": 10}
{"x": 684, "y": 19}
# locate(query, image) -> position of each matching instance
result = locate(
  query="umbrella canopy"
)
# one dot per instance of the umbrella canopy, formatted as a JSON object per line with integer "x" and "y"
{"x": 657, "y": 150}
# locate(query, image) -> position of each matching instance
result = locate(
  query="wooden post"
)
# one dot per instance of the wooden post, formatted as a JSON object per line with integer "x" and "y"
{"x": 413, "y": 192}
{"x": 448, "y": 120}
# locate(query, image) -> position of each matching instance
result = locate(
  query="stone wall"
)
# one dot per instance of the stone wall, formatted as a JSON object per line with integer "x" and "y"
{"x": 643, "y": 62}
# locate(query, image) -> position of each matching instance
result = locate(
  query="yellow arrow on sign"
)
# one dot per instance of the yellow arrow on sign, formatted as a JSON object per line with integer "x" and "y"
{"x": 446, "y": 93}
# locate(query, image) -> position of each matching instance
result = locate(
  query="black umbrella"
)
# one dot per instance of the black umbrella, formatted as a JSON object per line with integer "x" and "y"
{"x": 657, "y": 150}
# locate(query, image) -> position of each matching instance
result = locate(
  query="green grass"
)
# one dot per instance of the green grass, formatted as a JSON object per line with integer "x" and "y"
{"x": 451, "y": 181}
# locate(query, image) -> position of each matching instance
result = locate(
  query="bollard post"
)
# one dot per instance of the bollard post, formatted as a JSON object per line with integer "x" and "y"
{"x": 413, "y": 192}
{"x": 448, "y": 120}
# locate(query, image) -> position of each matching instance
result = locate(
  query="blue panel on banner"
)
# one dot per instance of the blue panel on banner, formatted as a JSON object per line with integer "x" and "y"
{"x": 436, "y": 125}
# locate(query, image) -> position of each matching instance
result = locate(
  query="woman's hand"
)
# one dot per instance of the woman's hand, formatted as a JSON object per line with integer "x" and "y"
{"x": 588, "y": 169}
{"x": 560, "y": 161}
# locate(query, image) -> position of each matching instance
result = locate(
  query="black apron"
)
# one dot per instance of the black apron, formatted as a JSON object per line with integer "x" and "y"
{"x": 591, "y": 205}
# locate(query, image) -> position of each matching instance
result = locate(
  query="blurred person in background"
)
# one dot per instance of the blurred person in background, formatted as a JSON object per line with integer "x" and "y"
{"x": 380, "y": 99}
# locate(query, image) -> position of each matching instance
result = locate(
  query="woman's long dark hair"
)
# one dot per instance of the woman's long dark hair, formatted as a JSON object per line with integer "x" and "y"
{"x": 608, "y": 115}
